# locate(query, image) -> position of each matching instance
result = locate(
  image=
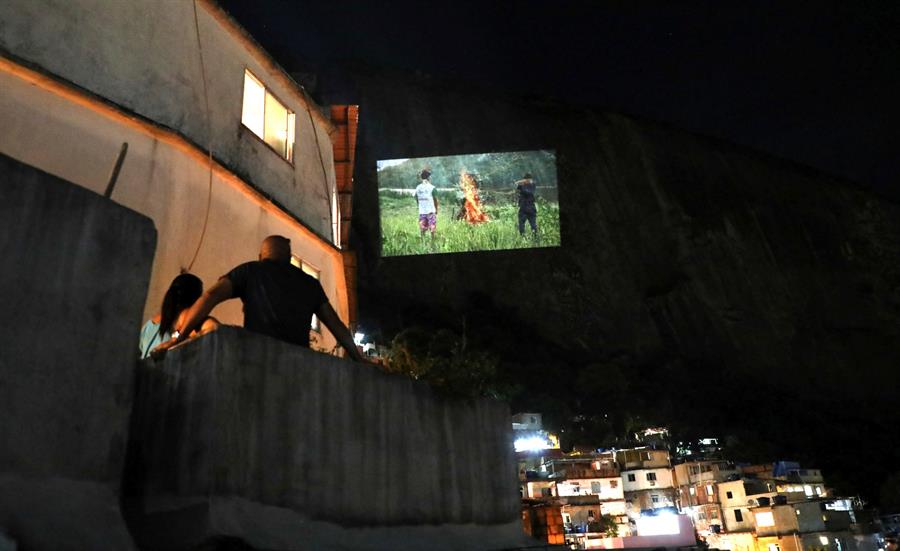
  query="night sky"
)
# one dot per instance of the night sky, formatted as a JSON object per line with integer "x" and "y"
{"x": 814, "y": 83}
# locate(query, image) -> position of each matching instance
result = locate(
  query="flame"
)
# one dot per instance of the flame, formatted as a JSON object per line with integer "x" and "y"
{"x": 474, "y": 213}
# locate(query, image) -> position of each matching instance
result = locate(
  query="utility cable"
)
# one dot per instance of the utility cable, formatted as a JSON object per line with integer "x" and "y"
{"x": 208, "y": 137}
{"x": 328, "y": 197}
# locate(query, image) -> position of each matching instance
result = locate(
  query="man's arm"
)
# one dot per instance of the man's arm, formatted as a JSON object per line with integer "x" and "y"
{"x": 434, "y": 198}
{"x": 219, "y": 292}
{"x": 334, "y": 324}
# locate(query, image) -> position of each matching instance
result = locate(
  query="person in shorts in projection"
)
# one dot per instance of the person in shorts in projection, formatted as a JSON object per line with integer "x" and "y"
{"x": 428, "y": 205}
{"x": 527, "y": 210}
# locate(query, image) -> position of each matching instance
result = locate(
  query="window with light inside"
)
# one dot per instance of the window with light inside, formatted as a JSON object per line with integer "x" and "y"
{"x": 310, "y": 271}
{"x": 267, "y": 117}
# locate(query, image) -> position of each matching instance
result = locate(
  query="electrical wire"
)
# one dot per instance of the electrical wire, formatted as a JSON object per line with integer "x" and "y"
{"x": 328, "y": 197}
{"x": 208, "y": 137}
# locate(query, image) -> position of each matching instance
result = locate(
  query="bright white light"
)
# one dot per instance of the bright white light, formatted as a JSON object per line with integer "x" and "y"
{"x": 534, "y": 443}
{"x": 662, "y": 524}
{"x": 358, "y": 338}
{"x": 253, "y": 113}
{"x": 765, "y": 518}
{"x": 823, "y": 540}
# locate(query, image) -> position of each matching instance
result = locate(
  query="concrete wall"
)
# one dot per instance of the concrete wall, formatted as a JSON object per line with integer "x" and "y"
{"x": 72, "y": 284}
{"x": 241, "y": 434}
{"x": 143, "y": 55}
{"x": 47, "y": 126}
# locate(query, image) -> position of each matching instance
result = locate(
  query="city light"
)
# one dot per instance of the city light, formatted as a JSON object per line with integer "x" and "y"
{"x": 662, "y": 524}
{"x": 531, "y": 444}
{"x": 765, "y": 519}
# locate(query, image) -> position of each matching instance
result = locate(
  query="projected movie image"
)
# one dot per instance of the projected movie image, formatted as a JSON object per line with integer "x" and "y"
{"x": 463, "y": 203}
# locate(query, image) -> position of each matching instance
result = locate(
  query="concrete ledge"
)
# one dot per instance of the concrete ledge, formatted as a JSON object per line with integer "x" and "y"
{"x": 240, "y": 434}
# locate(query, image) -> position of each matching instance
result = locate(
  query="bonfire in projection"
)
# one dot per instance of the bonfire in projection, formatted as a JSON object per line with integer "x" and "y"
{"x": 471, "y": 210}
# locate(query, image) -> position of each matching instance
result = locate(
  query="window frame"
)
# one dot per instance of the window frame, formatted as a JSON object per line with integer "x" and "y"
{"x": 297, "y": 262}
{"x": 288, "y": 156}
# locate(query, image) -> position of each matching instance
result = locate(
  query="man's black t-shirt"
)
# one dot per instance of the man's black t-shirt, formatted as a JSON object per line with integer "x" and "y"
{"x": 525, "y": 192}
{"x": 279, "y": 299}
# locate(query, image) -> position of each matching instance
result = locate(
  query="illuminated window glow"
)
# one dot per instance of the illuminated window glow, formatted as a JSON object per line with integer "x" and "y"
{"x": 310, "y": 271}
{"x": 267, "y": 117}
{"x": 533, "y": 443}
{"x": 658, "y": 525}
{"x": 765, "y": 519}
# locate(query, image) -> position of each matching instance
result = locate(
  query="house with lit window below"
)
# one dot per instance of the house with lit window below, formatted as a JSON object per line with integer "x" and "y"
{"x": 813, "y": 525}
{"x": 697, "y": 492}
{"x": 789, "y": 479}
{"x": 588, "y": 487}
{"x": 647, "y": 479}
{"x": 181, "y": 116}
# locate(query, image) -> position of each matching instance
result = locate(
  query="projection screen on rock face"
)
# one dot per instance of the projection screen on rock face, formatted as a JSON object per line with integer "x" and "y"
{"x": 463, "y": 203}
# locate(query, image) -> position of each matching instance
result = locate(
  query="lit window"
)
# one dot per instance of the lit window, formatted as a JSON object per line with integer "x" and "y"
{"x": 765, "y": 519}
{"x": 693, "y": 491}
{"x": 709, "y": 489}
{"x": 311, "y": 271}
{"x": 807, "y": 489}
{"x": 818, "y": 490}
{"x": 267, "y": 117}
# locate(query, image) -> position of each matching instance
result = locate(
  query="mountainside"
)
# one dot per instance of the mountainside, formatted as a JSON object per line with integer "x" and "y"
{"x": 698, "y": 284}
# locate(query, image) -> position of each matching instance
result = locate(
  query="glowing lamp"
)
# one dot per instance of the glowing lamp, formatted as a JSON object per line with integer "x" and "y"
{"x": 663, "y": 524}
{"x": 531, "y": 444}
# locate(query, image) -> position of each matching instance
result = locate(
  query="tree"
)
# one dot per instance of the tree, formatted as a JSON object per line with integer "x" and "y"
{"x": 443, "y": 359}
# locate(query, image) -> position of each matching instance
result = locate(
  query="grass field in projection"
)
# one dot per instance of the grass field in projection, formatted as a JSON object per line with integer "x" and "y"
{"x": 400, "y": 230}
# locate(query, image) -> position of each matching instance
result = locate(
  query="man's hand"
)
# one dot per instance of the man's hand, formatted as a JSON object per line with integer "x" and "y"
{"x": 159, "y": 352}
{"x": 334, "y": 324}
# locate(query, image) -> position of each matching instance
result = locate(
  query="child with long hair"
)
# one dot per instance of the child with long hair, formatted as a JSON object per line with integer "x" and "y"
{"x": 183, "y": 292}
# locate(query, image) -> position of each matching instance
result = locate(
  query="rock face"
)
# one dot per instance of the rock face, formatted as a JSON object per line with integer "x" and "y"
{"x": 737, "y": 268}
{"x": 240, "y": 434}
{"x": 72, "y": 284}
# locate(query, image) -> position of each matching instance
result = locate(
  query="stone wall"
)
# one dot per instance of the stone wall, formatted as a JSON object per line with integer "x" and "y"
{"x": 73, "y": 280}
{"x": 239, "y": 434}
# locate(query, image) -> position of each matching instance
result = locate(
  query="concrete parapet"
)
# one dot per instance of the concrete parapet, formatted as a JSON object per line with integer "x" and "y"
{"x": 73, "y": 281}
{"x": 243, "y": 435}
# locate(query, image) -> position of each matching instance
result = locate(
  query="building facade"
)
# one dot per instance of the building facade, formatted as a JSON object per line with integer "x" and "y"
{"x": 223, "y": 148}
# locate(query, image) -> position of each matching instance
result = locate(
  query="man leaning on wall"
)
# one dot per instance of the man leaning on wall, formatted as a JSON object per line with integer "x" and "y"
{"x": 279, "y": 301}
